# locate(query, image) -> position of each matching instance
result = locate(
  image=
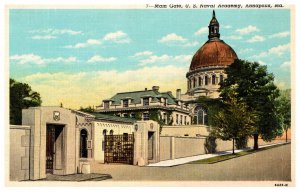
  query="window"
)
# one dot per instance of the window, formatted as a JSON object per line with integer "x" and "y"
{"x": 125, "y": 103}
{"x": 111, "y": 132}
{"x": 145, "y": 116}
{"x": 125, "y": 115}
{"x": 146, "y": 101}
{"x": 206, "y": 80}
{"x": 194, "y": 83}
{"x": 184, "y": 120}
{"x": 83, "y": 143}
{"x": 181, "y": 119}
{"x": 106, "y": 105}
{"x": 201, "y": 116}
{"x": 132, "y": 115}
{"x": 199, "y": 81}
{"x": 125, "y": 136}
{"x": 213, "y": 79}
{"x": 177, "y": 119}
{"x": 221, "y": 78}
{"x": 165, "y": 102}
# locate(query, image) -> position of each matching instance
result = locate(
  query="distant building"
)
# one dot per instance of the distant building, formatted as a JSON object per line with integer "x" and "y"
{"x": 207, "y": 70}
{"x": 148, "y": 104}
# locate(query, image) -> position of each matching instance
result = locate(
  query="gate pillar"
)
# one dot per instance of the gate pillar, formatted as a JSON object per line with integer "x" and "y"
{"x": 146, "y": 142}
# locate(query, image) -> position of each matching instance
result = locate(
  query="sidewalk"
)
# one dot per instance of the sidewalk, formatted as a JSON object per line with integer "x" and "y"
{"x": 179, "y": 161}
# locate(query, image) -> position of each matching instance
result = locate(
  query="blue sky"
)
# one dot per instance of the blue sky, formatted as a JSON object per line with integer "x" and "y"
{"x": 80, "y": 57}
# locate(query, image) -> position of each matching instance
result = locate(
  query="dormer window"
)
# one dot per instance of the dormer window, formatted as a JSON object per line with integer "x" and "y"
{"x": 146, "y": 101}
{"x": 106, "y": 105}
{"x": 125, "y": 102}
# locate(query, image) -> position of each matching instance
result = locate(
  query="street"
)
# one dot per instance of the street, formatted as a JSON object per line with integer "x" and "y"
{"x": 269, "y": 165}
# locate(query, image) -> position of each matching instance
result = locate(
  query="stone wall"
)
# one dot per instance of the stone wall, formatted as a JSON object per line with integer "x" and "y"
{"x": 19, "y": 152}
{"x": 185, "y": 131}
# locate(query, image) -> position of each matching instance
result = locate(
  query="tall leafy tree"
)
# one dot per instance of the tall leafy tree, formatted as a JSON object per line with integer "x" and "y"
{"x": 21, "y": 97}
{"x": 234, "y": 121}
{"x": 284, "y": 109}
{"x": 255, "y": 86}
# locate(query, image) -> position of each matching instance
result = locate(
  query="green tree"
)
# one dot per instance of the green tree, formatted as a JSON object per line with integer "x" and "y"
{"x": 21, "y": 97}
{"x": 284, "y": 109}
{"x": 88, "y": 109}
{"x": 255, "y": 86}
{"x": 234, "y": 121}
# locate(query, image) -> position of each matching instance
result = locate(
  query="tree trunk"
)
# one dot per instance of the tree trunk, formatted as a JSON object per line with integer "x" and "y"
{"x": 286, "y": 135}
{"x": 232, "y": 145}
{"x": 255, "y": 137}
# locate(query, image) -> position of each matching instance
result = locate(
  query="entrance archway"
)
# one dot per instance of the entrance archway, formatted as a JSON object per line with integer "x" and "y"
{"x": 83, "y": 143}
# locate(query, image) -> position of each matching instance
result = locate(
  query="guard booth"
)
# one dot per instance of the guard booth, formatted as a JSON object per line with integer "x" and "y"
{"x": 146, "y": 143}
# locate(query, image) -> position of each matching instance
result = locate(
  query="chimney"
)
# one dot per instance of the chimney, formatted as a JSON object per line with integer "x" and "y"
{"x": 156, "y": 88}
{"x": 178, "y": 94}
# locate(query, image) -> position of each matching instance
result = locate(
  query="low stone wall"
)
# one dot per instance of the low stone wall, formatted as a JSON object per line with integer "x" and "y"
{"x": 188, "y": 146}
{"x": 19, "y": 153}
{"x": 165, "y": 148}
{"x": 172, "y": 147}
{"x": 185, "y": 131}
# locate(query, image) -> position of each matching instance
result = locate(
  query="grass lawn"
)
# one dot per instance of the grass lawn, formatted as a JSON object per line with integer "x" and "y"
{"x": 230, "y": 156}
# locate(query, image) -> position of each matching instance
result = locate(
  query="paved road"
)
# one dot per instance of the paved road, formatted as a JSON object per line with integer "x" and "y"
{"x": 272, "y": 164}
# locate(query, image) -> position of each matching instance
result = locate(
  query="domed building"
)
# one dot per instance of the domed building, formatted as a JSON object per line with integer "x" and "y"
{"x": 208, "y": 64}
{"x": 206, "y": 71}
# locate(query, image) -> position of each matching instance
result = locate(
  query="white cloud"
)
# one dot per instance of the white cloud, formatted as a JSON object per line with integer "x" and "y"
{"x": 172, "y": 38}
{"x": 166, "y": 60}
{"x": 140, "y": 54}
{"x": 233, "y": 37}
{"x": 278, "y": 51}
{"x": 27, "y": 58}
{"x": 191, "y": 44}
{"x": 89, "y": 42}
{"x": 261, "y": 62}
{"x": 203, "y": 30}
{"x": 90, "y": 88}
{"x": 44, "y": 37}
{"x": 38, "y": 60}
{"x": 245, "y": 50}
{"x": 280, "y": 35}
{"x": 118, "y": 37}
{"x": 98, "y": 58}
{"x": 256, "y": 38}
{"x": 286, "y": 65}
{"x": 247, "y": 30}
{"x": 226, "y": 26}
{"x": 56, "y": 31}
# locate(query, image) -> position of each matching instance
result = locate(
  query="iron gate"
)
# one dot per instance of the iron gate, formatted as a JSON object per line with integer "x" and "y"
{"x": 119, "y": 148}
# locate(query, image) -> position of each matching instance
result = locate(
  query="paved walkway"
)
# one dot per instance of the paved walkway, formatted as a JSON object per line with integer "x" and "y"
{"x": 184, "y": 160}
{"x": 77, "y": 177}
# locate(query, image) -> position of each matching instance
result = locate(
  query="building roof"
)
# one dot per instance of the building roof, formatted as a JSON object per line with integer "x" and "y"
{"x": 137, "y": 95}
{"x": 214, "y": 52}
{"x": 104, "y": 117}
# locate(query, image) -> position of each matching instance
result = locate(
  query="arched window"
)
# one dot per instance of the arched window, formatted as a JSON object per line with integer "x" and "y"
{"x": 221, "y": 78}
{"x": 104, "y": 132}
{"x": 213, "y": 79}
{"x": 200, "y": 115}
{"x": 83, "y": 143}
{"x": 199, "y": 81}
{"x": 111, "y": 132}
{"x": 206, "y": 80}
{"x": 103, "y": 140}
{"x": 194, "y": 82}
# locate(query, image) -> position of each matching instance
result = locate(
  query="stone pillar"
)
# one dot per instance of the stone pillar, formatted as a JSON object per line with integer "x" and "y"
{"x": 146, "y": 143}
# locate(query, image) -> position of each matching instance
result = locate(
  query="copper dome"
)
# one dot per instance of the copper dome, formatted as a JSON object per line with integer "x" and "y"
{"x": 213, "y": 53}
